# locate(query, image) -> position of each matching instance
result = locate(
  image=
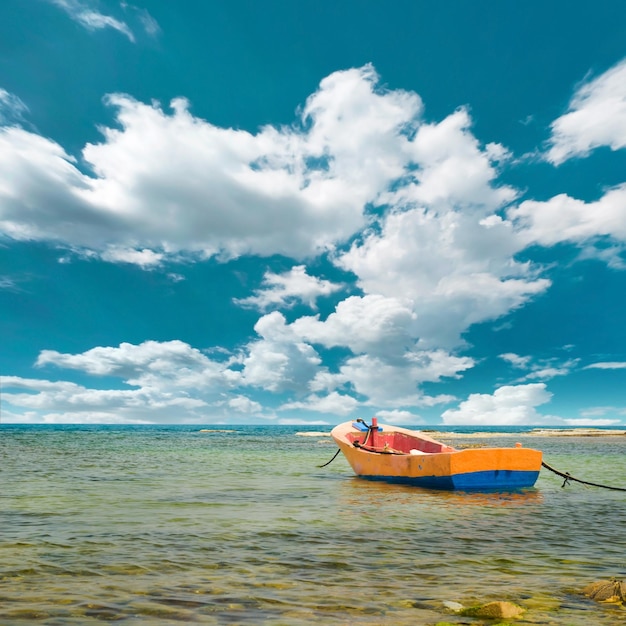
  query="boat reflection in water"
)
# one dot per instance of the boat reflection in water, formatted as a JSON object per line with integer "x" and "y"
{"x": 393, "y": 496}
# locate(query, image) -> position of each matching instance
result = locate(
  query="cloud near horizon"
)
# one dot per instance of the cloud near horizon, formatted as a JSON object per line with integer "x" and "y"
{"x": 511, "y": 405}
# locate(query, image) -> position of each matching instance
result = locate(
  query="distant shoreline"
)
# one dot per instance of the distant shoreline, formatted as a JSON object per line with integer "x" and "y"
{"x": 535, "y": 432}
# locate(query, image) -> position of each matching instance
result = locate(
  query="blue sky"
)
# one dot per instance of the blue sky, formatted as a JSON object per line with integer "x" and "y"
{"x": 290, "y": 212}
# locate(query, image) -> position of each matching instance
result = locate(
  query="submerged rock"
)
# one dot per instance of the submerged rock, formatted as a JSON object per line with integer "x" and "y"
{"x": 452, "y": 606}
{"x": 494, "y": 610}
{"x": 613, "y": 590}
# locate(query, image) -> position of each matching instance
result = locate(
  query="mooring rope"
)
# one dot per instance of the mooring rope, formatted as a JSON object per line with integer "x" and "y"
{"x": 356, "y": 444}
{"x": 369, "y": 430}
{"x": 568, "y": 477}
{"x": 329, "y": 462}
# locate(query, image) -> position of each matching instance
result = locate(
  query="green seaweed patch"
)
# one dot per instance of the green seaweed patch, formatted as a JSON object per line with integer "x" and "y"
{"x": 542, "y": 602}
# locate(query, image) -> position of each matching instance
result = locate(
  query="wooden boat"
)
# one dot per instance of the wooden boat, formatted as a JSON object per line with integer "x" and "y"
{"x": 399, "y": 455}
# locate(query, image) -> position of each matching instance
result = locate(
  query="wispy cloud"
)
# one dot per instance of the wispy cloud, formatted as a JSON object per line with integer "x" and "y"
{"x": 539, "y": 369}
{"x": 150, "y": 25}
{"x": 516, "y": 360}
{"x": 6, "y": 282}
{"x": 85, "y": 13}
{"x": 601, "y": 411}
{"x": 12, "y": 109}
{"x": 606, "y": 365}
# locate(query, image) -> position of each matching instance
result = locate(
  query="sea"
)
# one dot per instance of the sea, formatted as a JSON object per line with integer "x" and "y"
{"x": 220, "y": 525}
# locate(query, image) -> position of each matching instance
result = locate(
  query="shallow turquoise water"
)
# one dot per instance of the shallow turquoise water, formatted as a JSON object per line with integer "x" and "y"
{"x": 169, "y": 525}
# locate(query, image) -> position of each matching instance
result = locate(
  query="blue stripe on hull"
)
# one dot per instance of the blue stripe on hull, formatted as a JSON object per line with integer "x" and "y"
{"x": 501, "y": 480}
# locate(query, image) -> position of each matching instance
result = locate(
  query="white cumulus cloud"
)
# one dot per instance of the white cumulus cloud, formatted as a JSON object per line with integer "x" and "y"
{"x": 396, "y": 384}
{"x": 242, "y": 404}
{"x": 511, "y": 405}
{"x": 456, "y": 268}
{"x": 288, "y": 288}
{"x": 332, "y": 403}
{"x": 596, "y": 117}
{"x": 278, "y": 361}
{"x": 40, "y": 400}
{"x": 169, "y": 182}
{"x": 566, "y": 219}
{"x": 374, "y": 324}
{"x": 170, "y": 364}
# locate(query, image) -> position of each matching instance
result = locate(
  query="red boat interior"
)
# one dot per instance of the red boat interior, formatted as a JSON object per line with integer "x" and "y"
{"x": 400, "y": 443}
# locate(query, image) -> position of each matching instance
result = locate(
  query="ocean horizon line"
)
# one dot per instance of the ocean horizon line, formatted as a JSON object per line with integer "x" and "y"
{"x": 324, "y": 429}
